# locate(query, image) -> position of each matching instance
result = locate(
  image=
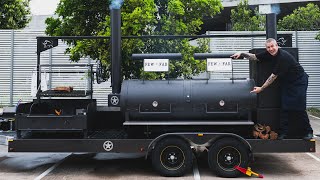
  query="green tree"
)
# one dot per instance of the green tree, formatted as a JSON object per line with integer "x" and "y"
{"x": 245, "y": 19}
{"x": 303, "y": 18}
{"x": 14, "y": 14}
{"x": 139, "y": 17}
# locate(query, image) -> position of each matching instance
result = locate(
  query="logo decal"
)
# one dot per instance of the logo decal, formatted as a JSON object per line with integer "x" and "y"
{"x": 108, "y": 145}
{"x": 114, "y": 100}
{"x": 47, "y": 44}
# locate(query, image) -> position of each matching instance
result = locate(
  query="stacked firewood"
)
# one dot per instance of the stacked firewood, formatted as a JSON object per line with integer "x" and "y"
{"x": 264, "y": 132}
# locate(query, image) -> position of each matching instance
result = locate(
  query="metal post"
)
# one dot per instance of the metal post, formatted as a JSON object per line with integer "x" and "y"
{"x": 90, "y": 77}
{"x": 38, "y": 69}
{"x": 271, "y": 28}
{"x": 296, "y": 37}
{"x": 252, "y": 44}
{"x": 11, "y": 68}
{"x": 50, "y": 69}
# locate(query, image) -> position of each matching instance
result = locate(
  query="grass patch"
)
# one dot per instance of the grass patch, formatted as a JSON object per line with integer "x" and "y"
{"x": 314, "y": 111}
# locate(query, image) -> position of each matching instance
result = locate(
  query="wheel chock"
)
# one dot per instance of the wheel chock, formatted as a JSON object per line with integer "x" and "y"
{"x": 248, "y": 171}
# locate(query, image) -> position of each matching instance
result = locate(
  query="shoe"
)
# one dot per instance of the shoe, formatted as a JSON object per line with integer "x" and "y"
{"x": 308, "y": 136}
{"x": 282, "y": 136}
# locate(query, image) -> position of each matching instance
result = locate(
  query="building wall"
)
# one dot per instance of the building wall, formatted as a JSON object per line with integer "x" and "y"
{"x": 38, "y": 22}
{"x": 231, "y": 3}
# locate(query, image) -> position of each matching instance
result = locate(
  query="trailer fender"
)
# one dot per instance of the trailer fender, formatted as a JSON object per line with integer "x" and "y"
{"x": 219, "y": 136}
{"x": 161, "y": 137}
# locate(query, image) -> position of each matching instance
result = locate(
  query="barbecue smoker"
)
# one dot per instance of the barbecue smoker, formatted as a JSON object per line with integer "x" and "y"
{"x": 166, "y": 120}
{"x": 197, "y": 101}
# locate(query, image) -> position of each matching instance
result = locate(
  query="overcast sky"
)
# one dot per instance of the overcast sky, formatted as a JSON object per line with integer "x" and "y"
{"x": 43, "y": 7}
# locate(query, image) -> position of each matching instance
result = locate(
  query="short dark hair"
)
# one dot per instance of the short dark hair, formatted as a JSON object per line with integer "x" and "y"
{"x": 269, "y": 40}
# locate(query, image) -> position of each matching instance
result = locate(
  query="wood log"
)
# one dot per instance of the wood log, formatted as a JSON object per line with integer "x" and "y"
{"x": 63, "y": 88}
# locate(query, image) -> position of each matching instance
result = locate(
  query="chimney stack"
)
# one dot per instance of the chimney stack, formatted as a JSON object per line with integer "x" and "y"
{"x": 116, "y": 50}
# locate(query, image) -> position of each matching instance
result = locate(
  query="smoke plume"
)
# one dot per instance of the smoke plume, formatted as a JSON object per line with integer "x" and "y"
{"x": 116, "y": 4}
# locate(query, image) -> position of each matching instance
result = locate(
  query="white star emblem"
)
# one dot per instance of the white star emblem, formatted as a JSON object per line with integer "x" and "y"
{"x": 114, "y": 100}
{"x": 108, "y": 145}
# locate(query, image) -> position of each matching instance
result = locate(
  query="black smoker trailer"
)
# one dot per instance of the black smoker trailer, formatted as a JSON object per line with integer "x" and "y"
{"x": 165, "y": 120}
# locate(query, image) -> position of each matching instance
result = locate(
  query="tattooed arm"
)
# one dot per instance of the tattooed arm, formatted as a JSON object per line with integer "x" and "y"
{"x": 245, "y": 55}
{"x": 251, "y": 57}
{"x": 269, "y": 81}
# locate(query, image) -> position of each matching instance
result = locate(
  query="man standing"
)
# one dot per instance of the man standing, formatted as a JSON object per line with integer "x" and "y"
{"x": 293, "y": 83}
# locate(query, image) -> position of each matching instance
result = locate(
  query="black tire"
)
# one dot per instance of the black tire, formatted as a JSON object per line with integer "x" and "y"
{"x": 172, "y": 157}
{"x": 225, "y": 154}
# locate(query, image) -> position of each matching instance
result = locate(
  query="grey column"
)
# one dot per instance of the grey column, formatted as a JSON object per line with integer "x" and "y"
{"x": 271, "y": 25}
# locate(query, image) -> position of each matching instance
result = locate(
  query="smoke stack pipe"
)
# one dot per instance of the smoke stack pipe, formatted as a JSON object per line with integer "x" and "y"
{"x": 115, "y": 50}
{"x": 271, "y": 26}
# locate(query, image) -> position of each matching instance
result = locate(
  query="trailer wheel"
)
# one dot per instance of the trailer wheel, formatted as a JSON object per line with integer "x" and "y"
{"x": 172, "y": 157}
{"x": 225, "y": 154}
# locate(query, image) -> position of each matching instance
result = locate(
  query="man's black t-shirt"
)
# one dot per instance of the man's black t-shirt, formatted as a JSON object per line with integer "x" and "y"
{"x": 294, "y": 80}
{"x": 286, "y": 66}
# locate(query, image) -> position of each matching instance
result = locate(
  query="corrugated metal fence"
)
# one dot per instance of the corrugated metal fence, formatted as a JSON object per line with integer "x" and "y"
{"x": 18, "y": 62}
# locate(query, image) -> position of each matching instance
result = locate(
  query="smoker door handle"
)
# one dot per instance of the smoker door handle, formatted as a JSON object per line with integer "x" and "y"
{"x": 166, "y": 112}
{"x": 221, "y": 112}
